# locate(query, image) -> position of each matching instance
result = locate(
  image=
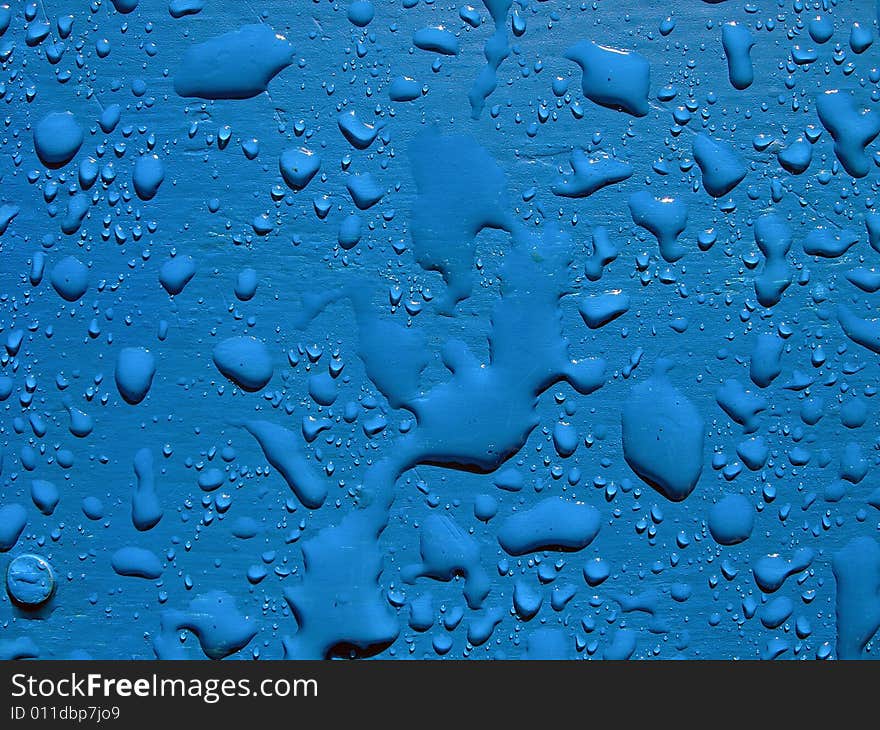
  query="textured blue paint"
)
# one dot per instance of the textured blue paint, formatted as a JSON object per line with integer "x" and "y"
{"x": 402, "y": 328}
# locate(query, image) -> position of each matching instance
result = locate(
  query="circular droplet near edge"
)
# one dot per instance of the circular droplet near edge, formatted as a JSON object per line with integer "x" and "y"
{"x": 30, "y": 581}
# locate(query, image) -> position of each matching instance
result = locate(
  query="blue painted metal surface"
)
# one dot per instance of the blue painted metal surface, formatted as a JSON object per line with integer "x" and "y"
{"x": 398, "y": 328}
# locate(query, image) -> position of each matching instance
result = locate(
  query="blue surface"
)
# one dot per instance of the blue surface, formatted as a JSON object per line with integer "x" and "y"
{"x": 406, "y": 329}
